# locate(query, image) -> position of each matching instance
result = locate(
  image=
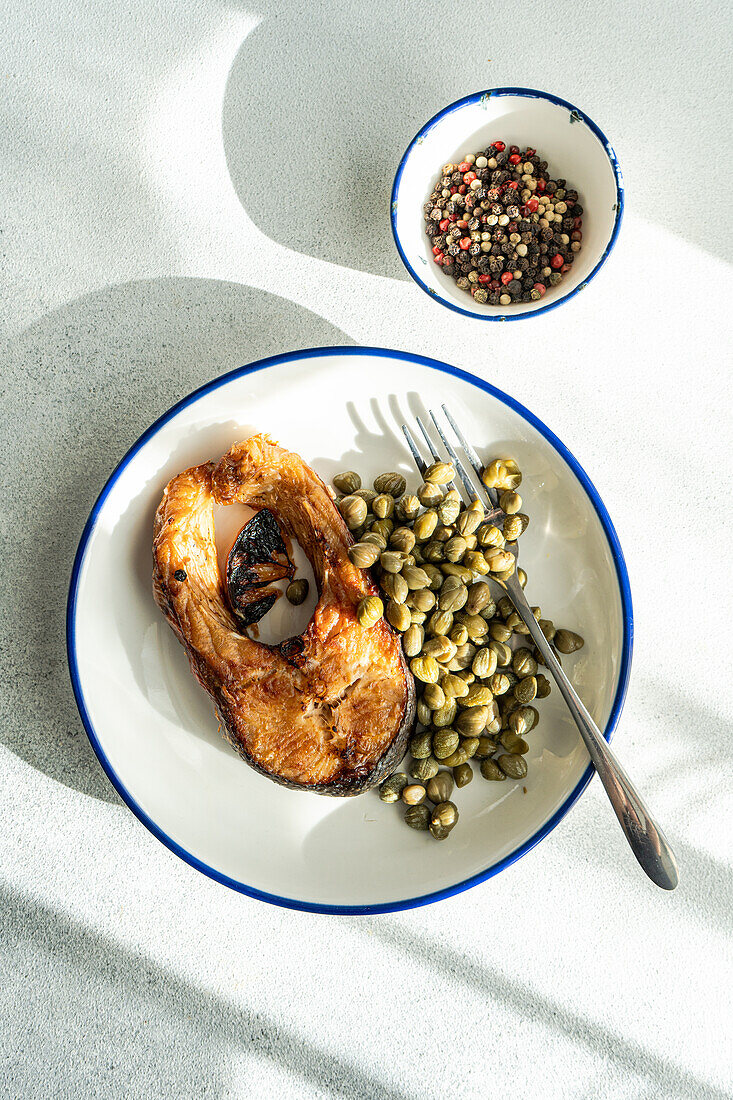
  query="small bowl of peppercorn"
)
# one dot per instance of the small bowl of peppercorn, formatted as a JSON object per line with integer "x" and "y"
{"x": 506, "y": 204}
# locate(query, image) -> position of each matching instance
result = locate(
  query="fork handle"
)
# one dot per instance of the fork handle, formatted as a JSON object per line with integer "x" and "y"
{"x": 646, "y": 839}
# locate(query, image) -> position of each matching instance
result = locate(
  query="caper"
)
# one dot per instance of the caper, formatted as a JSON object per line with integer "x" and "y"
{"x": 420, "y": 744}
{"x": 471, "y": 541}
{"x": 567, "y": 641}
{"x": 510, "y": 502}
{"x": 476, "y": 627}
{"x": 438, "y": 831}
{"x": 500, "y": 632}
{"x": 395, "y": 586}
{"x": 499, "y": 683}
{"x": 523, "y": 663}
{"x": 391, "y": 483}
{"x": 460, "y": 756}
{"x": 479, "y": 597}
{"x": 423, "y": 599}
{"x": 440, "y": 622}
{"x": 417, "y": 617}
{"x": 490, "y": 770}
{"x": 490, "y": 536}
{"x": 463, "y": 774}
{"x": 505, "y": 607}
{"x": 484, "y": 663}
{"x": 514, "y": 622}
{"x": 433, "y": 696}
{"x": 512, "y": 528}
{"x": 453, "y": 686}
{"x": 367, "y": 495}
{"x": 459, "y": 634}
{"x": 464, "y": 655}
{"x": 476, "y": 562}
{"x": 468, "y": 521}
{"x": 449, "y": 507}
{"x": 472, "y": 721}
{"x": 297, "y": 591}
{"x": 429, "y": 495}
{"x": 477, "y": 696}
{"x": 363, "y": 554}
{"x": 354, "y": 511}
{"x": 417, "y": 555}
{"x": 526, "y": 690}
{"x": 487, "y": 746}
{"x": 455, "y": 548}
{"x": 503, "y": 653}
{"x": 501, "y": 474}
{"x": 525, "y": 524}
{"x": 445, "y": 814}
{"x": 548, "y": 628}
{"x": 383, "y": 527}
{"x": 425, "y": 525}
{"x": 544, "y": 687}
{"x": 533, "y": 716}
{"x": 418, "y": 817}
{"x": 424, "y": 714}
{"x": 445, "y": 742}
{"x": 434, "y": 552}
{"x": 444, "y": 715}
{"x": 453, "y": 569}
{"x": 499, "y": 560}
{"x": 413, "y": 794}
{"x": 415, "y": 577}
{"x": 520, "y": 722}
{"x": 440, "y": 473}
{"x": 402, "y": 539}
{"x": 383, "y": 505}
{"x": 425, "y": 669}
{"x": 466, "y": 675}
{"x": 373, "y": 538}
{"x": 369, "y": 611}
{"x": 513, "y": 743}
{"x": 513, "y": 765}
{"x": 440, "y": 647}
{"x": 392, "y": 561}
{"x": 348, "y": 482}
{"x": 440, "y": 787}
{"x": 453, "y": 595}
{"x": 493, "y": 722}
{"x": 392, "y": 787}
{"x": 424, "y": 769}
{"x": 408, "y": 507}
{"x": 398, "y": 616}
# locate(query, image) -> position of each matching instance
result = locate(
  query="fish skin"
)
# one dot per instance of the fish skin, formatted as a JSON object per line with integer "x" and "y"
{"x": 328, "y": 711}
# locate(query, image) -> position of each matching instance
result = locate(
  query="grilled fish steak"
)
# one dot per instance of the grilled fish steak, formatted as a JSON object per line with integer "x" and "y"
{"x": 329, "y": 710}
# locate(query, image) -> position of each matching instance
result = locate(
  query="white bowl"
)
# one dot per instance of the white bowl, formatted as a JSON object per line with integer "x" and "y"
{"x": 154, "y": 729}
{"x": 575, "y": 149}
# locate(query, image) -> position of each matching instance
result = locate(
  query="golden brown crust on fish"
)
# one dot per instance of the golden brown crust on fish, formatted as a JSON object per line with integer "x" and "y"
{"x": 327, "y": 711}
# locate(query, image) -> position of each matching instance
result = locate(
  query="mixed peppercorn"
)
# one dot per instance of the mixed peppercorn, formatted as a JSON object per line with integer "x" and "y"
{"x": 501, "y": 227}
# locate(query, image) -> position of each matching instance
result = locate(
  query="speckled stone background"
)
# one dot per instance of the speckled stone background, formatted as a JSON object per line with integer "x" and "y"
{"x": 186, "y": 187}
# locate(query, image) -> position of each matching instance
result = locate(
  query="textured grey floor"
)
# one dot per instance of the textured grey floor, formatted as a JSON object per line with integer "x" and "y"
{"x": 187, "y": 188}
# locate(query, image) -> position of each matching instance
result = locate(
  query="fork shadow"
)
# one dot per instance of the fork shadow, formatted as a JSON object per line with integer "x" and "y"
{"x": 113, "y": 997}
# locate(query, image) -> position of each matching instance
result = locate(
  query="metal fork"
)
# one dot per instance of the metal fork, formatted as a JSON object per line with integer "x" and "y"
{"x": 646, "y": 839}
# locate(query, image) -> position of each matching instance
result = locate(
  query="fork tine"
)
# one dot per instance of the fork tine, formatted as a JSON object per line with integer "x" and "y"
{"x": 460, "y": 468}
{"x": 473, "y": 458}
{"x": 419, "y": 461}
{"x": 428, "y": 440}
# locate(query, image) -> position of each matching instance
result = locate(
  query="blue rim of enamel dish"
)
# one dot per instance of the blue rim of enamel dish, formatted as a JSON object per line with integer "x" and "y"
{"x": 575, "y": 115}
{"x": 624, "y": 591}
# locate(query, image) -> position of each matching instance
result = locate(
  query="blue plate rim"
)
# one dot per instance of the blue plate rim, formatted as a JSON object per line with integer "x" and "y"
{"x": 624, "y": 591}
{"x": 529, "y": 93}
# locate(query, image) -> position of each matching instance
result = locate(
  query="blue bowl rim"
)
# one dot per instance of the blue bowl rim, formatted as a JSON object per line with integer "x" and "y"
{"x": 624, "y": 669}
{"x": 576, "y": 114}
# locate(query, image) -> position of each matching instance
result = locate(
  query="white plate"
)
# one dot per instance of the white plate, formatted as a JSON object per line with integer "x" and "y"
{"x": 568, "y": 139}
{"x": 153, "y": 728}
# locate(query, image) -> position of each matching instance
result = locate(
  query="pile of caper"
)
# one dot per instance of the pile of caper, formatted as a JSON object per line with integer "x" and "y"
{"x": 475, "y": 666}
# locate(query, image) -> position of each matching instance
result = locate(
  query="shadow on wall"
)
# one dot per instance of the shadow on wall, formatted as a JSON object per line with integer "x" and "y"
{"x": 81, "y": 385}
{"x": 134, "y": 1016}
{"x": 322, "y": 101}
